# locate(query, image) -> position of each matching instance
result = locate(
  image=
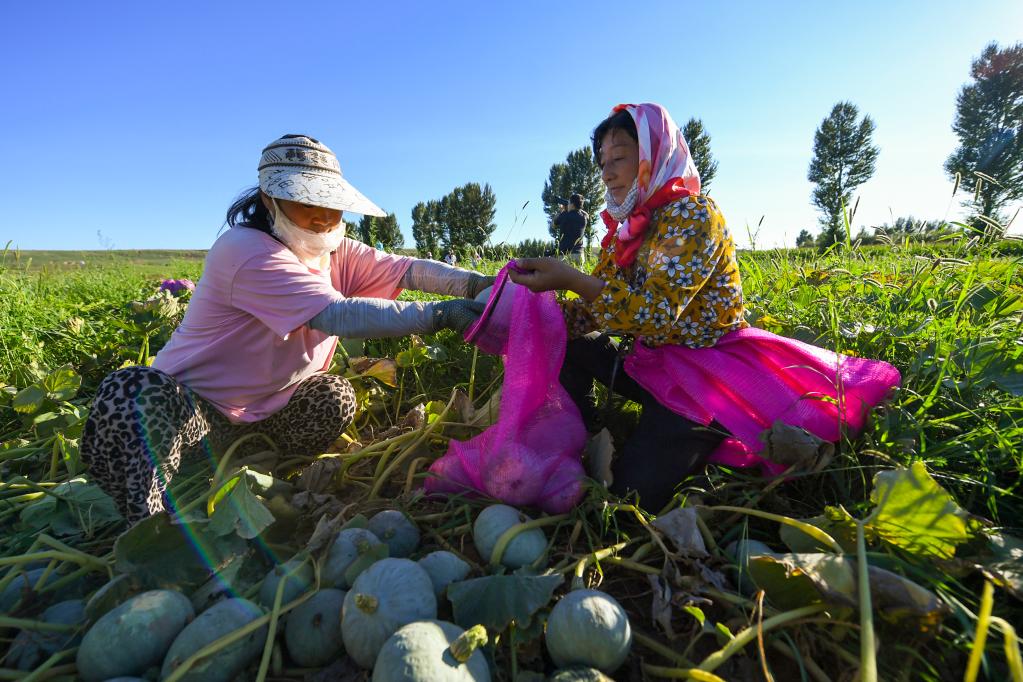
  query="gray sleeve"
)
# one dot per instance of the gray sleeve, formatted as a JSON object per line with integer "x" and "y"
{"x": 373, "y": 318}
{"x": 435, "y": 277}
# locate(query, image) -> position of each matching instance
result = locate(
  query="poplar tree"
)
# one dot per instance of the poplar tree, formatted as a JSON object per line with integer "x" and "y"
{"x": 844, "y": 157}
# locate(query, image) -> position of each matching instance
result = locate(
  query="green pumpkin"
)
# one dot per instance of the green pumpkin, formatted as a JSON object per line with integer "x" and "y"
{"x": 588, "y": 628}
{"x": 443, "y": 568}
{"x": 526, "y": 548}
{"x": 394, "y": 528}
{"x": 133, "y": 636}
{"x": 220, "y": 619}
{"x": 313, "y": 635}
{"x": 387, "y": 595}
{"x": 300, "y": 580}
{"x": 433, "y": 651}
{"x": 31, "y": 647}
{"x": 349, "y": 546}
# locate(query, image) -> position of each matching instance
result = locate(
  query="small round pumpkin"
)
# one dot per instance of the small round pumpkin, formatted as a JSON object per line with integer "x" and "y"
{"x": 387, "y": 595}
{"x": 588, "y": 628}
{"x": 300, "y": 580}
{"x": 444, "y": 568}
{"x": 394, "y": 528}
{"x": 526, "y": 547}
{"x": 349, "y": 545}
{"x": 313, "y": 635}
{"x": 433, "y": 651}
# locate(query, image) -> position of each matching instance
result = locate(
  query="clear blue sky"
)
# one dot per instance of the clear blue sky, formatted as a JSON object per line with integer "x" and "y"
{"x": 143, "y": 120}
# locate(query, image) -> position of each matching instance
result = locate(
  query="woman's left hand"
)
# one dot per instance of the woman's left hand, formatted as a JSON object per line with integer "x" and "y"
{"x": 543, "y": 274}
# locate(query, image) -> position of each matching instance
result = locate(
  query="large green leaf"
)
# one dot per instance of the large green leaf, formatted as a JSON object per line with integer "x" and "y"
{"x": 62, "y": 383}
{"x": 69, "y": 508}
{"x": 180, "y": 553}
{"x": 29, "y": 399}
{"x": 916, "y": 514}
{"x": 241, "y": 512}
{"x": 496, "y": 600}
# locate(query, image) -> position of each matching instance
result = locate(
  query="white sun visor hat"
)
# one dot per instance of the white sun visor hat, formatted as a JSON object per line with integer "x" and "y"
{"x": 299, "y": 168}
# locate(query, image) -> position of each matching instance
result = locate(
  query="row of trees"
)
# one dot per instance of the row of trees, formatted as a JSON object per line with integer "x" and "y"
{"x": 987, "y": 165}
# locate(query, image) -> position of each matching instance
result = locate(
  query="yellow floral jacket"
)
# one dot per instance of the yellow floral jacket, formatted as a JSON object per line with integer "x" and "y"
{"x": 683, "y": 287}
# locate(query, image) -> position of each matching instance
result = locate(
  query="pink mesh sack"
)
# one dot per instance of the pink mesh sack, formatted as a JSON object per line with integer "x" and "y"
{"x": 531, "y": 456}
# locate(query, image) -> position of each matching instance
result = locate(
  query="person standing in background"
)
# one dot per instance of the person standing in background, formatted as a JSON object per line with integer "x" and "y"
{"x": 571, "y": 225}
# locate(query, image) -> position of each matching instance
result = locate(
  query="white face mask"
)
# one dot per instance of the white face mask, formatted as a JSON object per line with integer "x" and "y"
{"x": 312, "y": 248}
{"x": 622, "y": 211}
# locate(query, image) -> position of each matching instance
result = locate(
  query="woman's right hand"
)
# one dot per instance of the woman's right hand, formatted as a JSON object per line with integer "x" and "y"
{"x": 543, "y": 274}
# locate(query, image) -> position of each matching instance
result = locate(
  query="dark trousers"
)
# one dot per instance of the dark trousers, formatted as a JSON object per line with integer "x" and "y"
{"x": 665, "y": 446}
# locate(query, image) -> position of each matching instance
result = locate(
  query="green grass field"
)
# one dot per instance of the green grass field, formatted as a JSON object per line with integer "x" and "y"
{"x": 922, "y": 512}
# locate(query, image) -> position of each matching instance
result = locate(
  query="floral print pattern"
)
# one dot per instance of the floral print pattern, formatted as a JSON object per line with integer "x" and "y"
{"x": 683, "y": 287}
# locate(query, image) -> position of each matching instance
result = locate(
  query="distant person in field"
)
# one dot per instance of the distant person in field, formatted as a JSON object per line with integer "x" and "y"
{"x": 571, "y": 225}
{"x": 277, "y": 289}
{"x": 660, "y": 321}
{"x": 450, "y": 258}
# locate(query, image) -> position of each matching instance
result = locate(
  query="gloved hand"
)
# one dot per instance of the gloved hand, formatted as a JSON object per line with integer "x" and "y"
{"x": 457, "y": 314}
{"x": 478, "y": 283}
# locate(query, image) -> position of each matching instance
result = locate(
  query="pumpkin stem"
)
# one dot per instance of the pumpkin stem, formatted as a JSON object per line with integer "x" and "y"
{"x": 367, "y": 603}
{"x": 467, "y": 642}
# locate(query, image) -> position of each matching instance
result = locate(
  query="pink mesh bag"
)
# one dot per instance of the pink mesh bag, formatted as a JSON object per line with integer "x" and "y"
{"x": 531, "y": 456}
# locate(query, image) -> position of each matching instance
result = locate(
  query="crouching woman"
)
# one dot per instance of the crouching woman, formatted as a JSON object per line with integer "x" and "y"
{"x": 278, "y": 288}
{"x": 667, "y": 284}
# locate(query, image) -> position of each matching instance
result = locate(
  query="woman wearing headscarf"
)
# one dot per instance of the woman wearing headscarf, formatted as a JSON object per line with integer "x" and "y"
{"x": 667, "y": 283}
{"x": 251, "y": 353}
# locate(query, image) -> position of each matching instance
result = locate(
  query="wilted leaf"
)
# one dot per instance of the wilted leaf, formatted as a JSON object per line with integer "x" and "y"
{"x": 680, "y": 526}
{"x": 794, "y": 446}
{"x": 240, "y": 512}
{"x": 179, "y": 553}
{"x": 1006, "y": 568}
{"x": 463, "y": 407}
{"x": 319, "y": 476}
{"x": 496, "y": 600}
{"x": 903, "y": 602}
{"x": 383, "y": 370}
{"x": 794, "y": 580}
{"x": 915, "y": 513}
{"x": 599, "y": 452}
{"x": 415, "y": 418}
{"x": 660, "y": 605}
{"x": 323, "y": 535}
{"x": 62, "y": 383}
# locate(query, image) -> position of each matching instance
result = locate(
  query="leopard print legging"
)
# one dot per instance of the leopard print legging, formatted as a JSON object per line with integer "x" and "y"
{"x": 143, "y": 423}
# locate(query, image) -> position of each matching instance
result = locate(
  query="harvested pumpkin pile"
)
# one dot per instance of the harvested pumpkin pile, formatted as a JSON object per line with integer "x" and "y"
{"x": 341, "y": 568}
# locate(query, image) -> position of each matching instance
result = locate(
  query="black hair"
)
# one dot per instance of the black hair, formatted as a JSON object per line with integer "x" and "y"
{"x": 248, "y": 211}
{"x": 576, "y": 200}
{"x": 620, "y": 120}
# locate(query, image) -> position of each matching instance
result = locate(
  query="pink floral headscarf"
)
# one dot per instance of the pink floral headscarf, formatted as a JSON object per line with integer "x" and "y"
{"x": 666, "y": 172}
